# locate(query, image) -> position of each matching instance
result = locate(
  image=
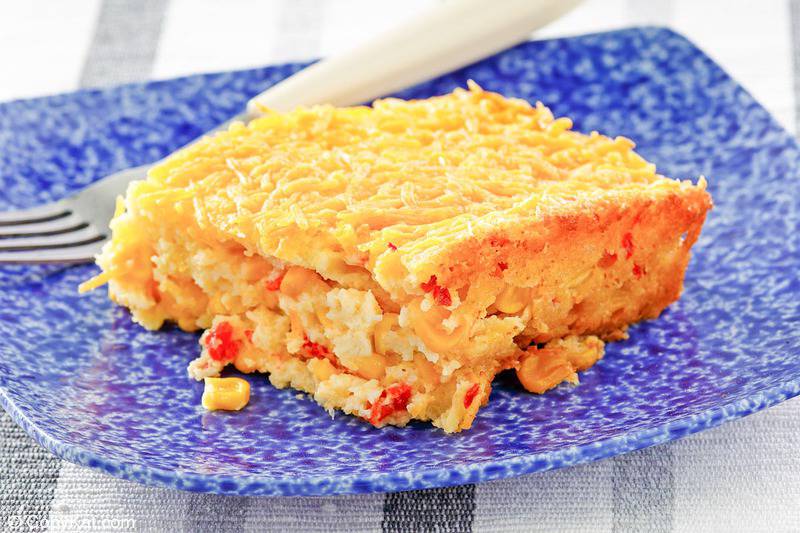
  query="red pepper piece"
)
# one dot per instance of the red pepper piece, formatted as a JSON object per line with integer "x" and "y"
{"x": 275, "y": 284}
{"x": 391, "y": 400}
{"x": 607, "y": 261}
{"x": 429, "y": 285}
{"x": 441, "y": 295}
{"x": 470, "y": 395}
{"x": 638, "y": 271}
{"x": 315, "y": 350}
{"x": 497, "y": 241}
{"x": 220, "y": 343}
{"x": 392, "y": 247}
{"x": 627, "y": 243}
{"x": 499, "y": 269}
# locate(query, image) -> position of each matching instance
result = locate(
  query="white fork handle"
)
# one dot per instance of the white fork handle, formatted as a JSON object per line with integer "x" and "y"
{"x": 442, "y": 39}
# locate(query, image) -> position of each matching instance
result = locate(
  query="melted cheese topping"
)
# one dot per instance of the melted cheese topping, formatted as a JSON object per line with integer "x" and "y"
{"x": 367, "y": 194}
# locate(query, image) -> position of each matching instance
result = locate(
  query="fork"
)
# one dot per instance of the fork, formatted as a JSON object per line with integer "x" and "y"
{"x": 446, "y": 37}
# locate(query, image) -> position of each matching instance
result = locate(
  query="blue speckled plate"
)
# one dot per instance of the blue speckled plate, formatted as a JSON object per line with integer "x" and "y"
{"x": 96, "y": 389}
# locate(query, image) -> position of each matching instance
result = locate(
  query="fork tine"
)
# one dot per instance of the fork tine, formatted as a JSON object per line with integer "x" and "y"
{"x": 84, "y": 235}
{"x": 35, "y": 214}
{"x": 73, "y": 254}
{"x": 54, "y": 226}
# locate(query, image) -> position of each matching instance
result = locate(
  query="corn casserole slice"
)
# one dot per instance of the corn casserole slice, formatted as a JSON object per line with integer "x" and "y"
{"x": 391, "y": 260}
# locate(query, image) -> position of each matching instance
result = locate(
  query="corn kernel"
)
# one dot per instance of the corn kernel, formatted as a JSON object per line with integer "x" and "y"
{"x": 299, "y": 279}
{"x": 322, "y": 369}
{"x": 428, "y": 326}
{"x": 541, "y": 370}
{"x": 370, "y": 366}
{"x": 591, "y": 352}
{"x": 512, "y": 299}
{"x": 426, "y": 369}
{"x": 225, "y": 394}
{"x": 255, "y": 271}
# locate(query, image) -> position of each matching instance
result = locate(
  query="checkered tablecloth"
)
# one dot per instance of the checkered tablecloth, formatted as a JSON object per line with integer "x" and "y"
{"x": 744, "y": 476}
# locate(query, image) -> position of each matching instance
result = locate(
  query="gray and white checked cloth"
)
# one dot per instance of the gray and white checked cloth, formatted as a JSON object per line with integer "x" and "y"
{"x": 744, "y": 476}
